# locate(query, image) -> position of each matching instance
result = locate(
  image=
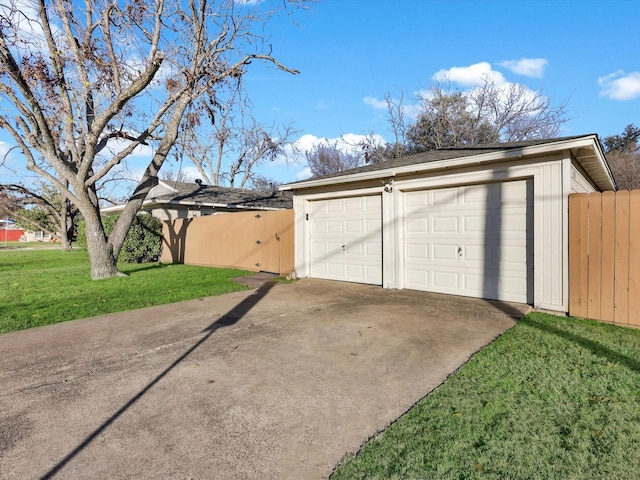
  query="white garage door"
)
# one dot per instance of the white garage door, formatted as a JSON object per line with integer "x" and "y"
{"x": 471, "y": 240}
{"x": 345, "y": 237}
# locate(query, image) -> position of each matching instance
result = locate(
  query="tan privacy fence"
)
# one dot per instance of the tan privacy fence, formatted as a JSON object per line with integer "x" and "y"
{"x": 604, "y": 256}
{"x": 257, "y": 241}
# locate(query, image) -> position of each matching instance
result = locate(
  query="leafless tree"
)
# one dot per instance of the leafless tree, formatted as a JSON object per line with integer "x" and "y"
{"x": 398, "y": 123}
{"x": 516, "y": 112}
{"x": 85, "y": 83}
{"x": 178, "y": 175}
{"x": 225, "y": 142}
{"x": 261, "y": 183}
{"x": 623, "y": 156}
{"x": 325, "y": 159}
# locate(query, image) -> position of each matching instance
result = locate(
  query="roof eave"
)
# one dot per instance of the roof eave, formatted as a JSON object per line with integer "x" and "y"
{"x": 605, "y": 182}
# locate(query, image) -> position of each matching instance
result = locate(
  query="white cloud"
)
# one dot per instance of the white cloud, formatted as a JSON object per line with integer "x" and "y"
{"x": 322, "y": 104}
{"x": 470, "y": 76}
{"x": 529, "y": 67}
{"x": 620, "y": 86}
{"x": 376, "y": 103}
{"x": 303, "y": 174}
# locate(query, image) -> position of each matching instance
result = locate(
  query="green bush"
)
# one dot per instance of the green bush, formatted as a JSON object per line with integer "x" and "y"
{"x": 143, "y": 242}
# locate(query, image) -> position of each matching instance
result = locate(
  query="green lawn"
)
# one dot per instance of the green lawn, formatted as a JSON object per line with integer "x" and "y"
{"x": 40, "y": 287}
{"x": 553, "y": 398}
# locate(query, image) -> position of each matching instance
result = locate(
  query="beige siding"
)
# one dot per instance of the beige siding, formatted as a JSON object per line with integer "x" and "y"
{"x": 579, "y": 181}
{"x": 256, "y": 241}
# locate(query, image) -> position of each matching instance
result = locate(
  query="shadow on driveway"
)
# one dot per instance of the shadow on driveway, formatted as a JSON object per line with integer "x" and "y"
{"x": 226, "y": 320}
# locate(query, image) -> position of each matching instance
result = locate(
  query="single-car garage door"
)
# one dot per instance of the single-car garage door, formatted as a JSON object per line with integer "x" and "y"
{"x": 345, "y": 237}
{"x": 473, "y": 240}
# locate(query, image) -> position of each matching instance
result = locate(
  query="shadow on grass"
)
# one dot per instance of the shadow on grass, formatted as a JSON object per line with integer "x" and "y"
{"x": 230, "y": 318}
{"x": 595, "y": 347}
{"x": 132, "y": 269}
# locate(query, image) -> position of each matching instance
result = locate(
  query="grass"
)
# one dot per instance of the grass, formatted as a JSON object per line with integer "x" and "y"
{"x": 551, "y": 398}
{"x": 40, "y": 287}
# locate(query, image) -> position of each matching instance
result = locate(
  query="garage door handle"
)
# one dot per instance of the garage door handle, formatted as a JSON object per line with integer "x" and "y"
{"x": 459, "y": 251}
{"x": 344, "y": 247}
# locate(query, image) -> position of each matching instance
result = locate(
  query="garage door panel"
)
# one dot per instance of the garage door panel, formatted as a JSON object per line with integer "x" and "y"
{"x": 445, "y": 197}
{"x": 350, "y": 230}
{"x": 475, "y": 242}
{"x": 445, "y": 280}
{"x": 444, "y": 252}
{"x": 445, "y": 224}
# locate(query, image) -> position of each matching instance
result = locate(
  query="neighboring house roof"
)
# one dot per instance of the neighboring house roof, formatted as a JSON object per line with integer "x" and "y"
{"x": 586, "y": 149}
{"x": 176, "y": 194}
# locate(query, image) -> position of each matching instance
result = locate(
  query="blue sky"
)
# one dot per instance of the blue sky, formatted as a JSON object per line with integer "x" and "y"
{"x": 352, "y": 52}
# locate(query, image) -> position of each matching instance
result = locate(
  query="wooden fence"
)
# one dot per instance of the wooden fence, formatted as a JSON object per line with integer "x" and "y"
{"x": 256, "y": 241}
{"x": 604, "y": 256}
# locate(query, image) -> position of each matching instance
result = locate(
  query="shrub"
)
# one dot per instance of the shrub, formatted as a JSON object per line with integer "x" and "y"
{"x": 143, "y": 242}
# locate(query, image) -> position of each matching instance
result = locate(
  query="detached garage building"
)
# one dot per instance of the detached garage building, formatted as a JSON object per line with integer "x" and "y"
{"x": 487, "y": 221}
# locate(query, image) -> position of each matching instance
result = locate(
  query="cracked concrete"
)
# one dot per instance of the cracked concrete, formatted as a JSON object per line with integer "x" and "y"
{"x": 278, "y": 382}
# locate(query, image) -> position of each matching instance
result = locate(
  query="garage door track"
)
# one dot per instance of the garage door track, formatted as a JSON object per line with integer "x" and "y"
{"x": 277, "y": 382}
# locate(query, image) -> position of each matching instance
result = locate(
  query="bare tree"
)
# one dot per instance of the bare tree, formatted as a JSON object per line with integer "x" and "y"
{"x": 623, "y": 156}
{"x": 225, "y": 142}
{"x": 398, "y": 123}
{"x": 87, "y": 82}
{"x": 325, "y": 159}
{"x": 178, "y": 175}
{"x": 516, "y": 112}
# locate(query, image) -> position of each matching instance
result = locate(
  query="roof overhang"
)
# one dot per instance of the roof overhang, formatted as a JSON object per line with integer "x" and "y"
{"x": 586, "y": 150}
{"x": 154, "y": 203}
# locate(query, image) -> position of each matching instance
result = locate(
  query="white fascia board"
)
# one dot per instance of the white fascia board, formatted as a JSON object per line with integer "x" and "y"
{"x": 153, "y": 203}
{"x": 469, "y": 160}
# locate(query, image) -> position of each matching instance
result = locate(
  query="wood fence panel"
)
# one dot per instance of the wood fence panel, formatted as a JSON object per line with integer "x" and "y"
{"x": 604, "y": 256}
{"x": 578, "y": 253}
{"x": 256, "y": 241}
{"x": 634, "y": 258}
{"x": 621, "y": 306}
{"x": 594, "y": 256}
{"x": 607, "y": 300}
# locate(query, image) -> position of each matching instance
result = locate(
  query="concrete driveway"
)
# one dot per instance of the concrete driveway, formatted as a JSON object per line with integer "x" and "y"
{"x": 278, "y": 382}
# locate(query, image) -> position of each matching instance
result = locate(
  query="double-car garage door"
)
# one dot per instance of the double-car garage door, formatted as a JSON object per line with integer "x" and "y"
{"x": 473, "y": 240}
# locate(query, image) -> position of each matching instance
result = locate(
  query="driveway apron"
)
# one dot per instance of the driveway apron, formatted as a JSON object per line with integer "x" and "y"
{"x": 277, "y": 382}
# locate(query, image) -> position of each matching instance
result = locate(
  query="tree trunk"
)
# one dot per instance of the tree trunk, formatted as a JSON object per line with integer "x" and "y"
{"x": 103, "y": 262}
{"x": 66, "y": 225}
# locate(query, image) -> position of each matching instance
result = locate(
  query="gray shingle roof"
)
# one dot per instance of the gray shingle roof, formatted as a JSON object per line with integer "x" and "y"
{"x": 190, "y": 193}
{"x": 445, "y": 154}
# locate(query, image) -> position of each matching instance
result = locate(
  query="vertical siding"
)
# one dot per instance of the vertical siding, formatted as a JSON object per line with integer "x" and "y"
{"x": 604, "y": 256}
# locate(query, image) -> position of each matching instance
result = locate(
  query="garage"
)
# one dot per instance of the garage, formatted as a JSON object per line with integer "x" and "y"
{"x": 345, "y": 236}
{"x": 484, "y": 221}
{"x": 470, "y": 240}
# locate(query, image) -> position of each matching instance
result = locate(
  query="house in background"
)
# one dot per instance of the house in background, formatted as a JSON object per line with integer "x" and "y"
{"x": 486, "y": 221}
{"x": 171, "y": 200}
{"x": 9, "y": 232}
